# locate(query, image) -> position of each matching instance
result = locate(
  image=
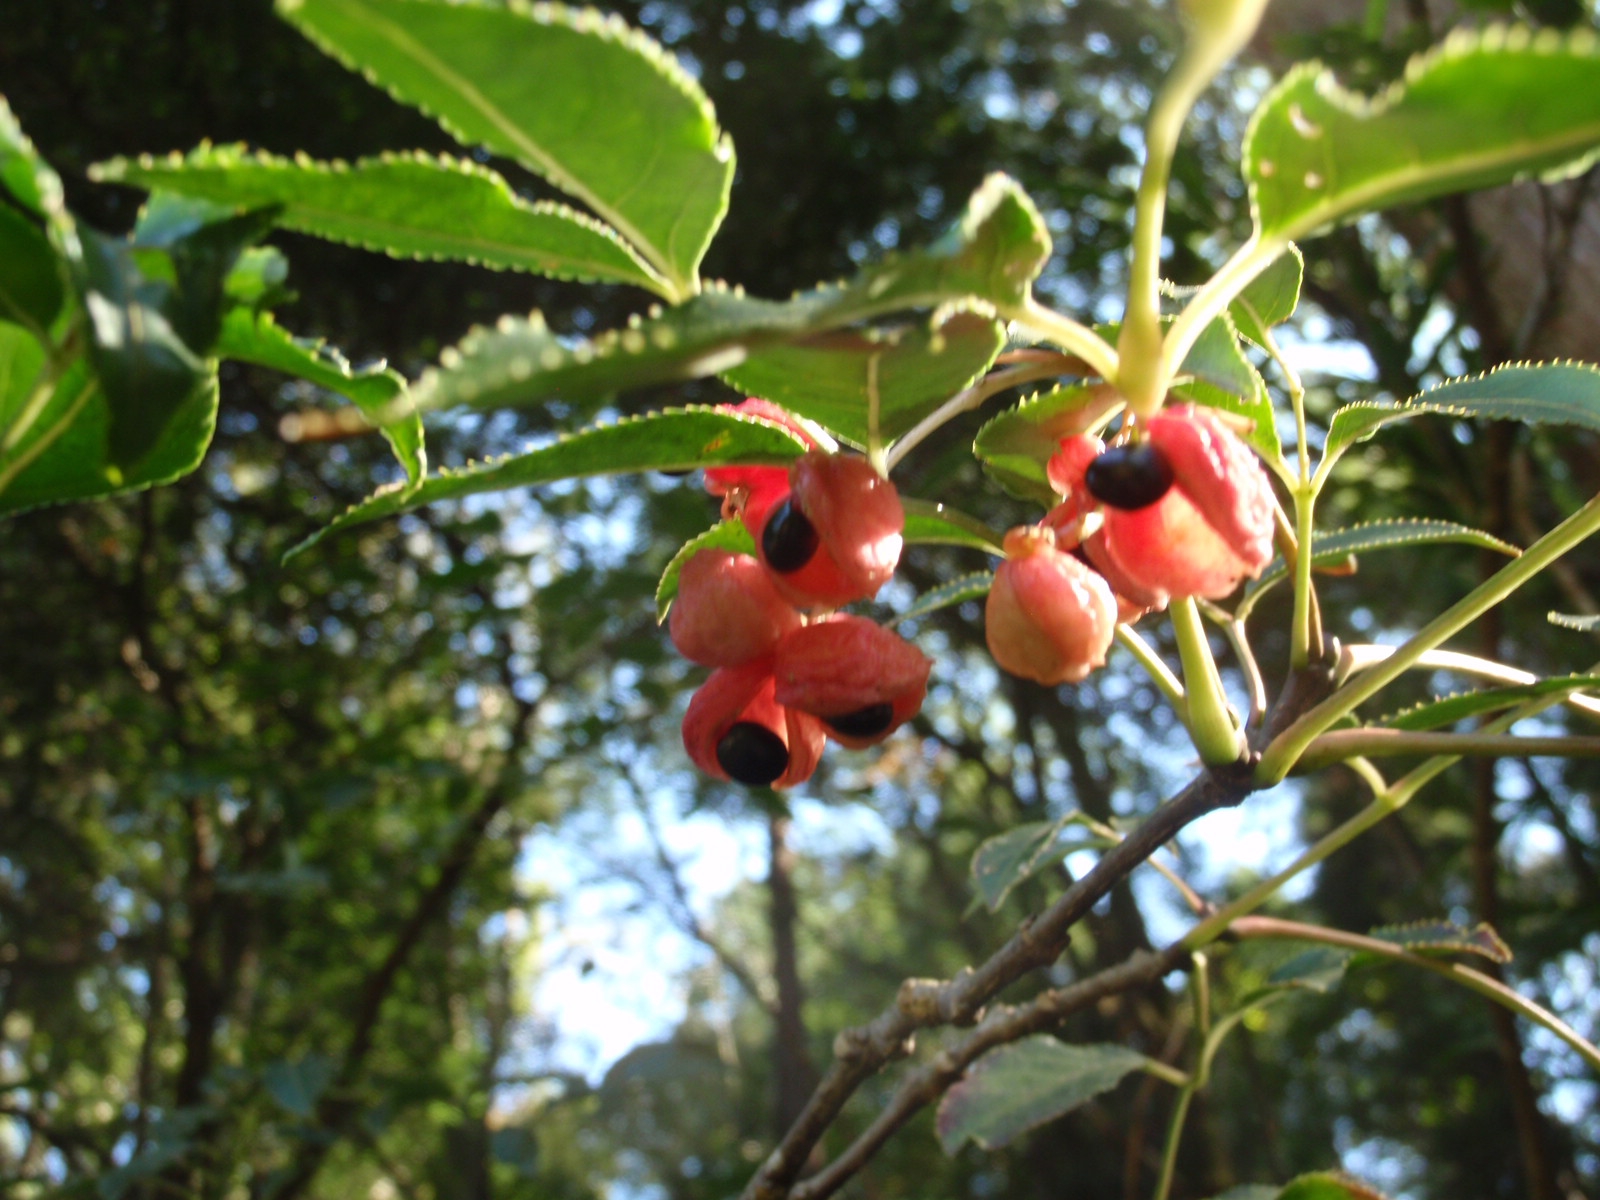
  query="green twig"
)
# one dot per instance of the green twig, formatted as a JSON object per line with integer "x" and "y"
{"x": 1210, "y": 723}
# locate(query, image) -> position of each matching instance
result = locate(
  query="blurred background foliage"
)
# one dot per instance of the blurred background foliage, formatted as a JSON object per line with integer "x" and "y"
{"x": 266, "y": 923}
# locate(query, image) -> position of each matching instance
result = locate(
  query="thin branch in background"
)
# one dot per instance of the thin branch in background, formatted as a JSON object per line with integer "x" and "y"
{"x": 681, "y": 909}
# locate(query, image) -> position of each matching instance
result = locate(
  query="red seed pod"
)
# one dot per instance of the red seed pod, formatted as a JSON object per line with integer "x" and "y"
{"x": 1049, "y": 617}
{"x": 734, "y": 729}
{"x": 834, "y": 536}
{"x": 861, "y": 680}
{"x": 1133, "y": 601}
{"x": 723, "y": 481}
{"x": 1212, "y": 528}
{"x": 727, "y": 611}
{"x": 1066, "y": 467}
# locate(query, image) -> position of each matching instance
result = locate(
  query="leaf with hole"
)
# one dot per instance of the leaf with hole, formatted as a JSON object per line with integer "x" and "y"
{"x": 1486, "y": 107}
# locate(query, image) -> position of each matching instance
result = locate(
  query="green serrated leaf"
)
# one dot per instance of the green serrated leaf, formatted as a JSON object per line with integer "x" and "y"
{"x": 26, "y": 176}
{"x": 598, "y": 109}
{"x": 1446, "y": 937}
{"x": 1538, "y": 393}
{"x": 408, "y": 205}
{"x": 1485, "y": 108}
{"x": 831, "y": 377}
{"x": 1331, "y": 546}
{"x": 523, "y": 362}
{"x": 257, "y": 338}
{"x": 1585, "y": 624}
{"x": 957, "y": 591}
{"x": 930, "y": 523}
{"x": 31, "y": 289}
{"x": 672, "y": 440}
{"x": 1015, "y": 446}
{"x": 1017, "y": 1087}
{"x": 1447, "y": 710}
{"x": 1270, "y": 298}
{"x": 731, "y": 536}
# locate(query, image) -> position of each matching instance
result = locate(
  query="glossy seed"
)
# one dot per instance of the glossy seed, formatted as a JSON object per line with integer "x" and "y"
{"x": 864, "y": 722}
{"x": 790, "y": 539}
{"x": 1129, "y": 477}
{"x": 752, "y": 754}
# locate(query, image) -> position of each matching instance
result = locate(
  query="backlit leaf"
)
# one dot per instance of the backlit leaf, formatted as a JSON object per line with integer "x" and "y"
{"x": 1447, "y": 710}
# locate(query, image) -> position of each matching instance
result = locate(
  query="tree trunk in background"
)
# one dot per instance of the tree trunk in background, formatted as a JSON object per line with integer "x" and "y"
{"x": 791, "y": 1060}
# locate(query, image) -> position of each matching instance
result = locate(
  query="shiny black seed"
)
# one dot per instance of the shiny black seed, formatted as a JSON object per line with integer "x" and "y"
{"x": 752, "y": 754}
{"x": 864, "y": 722}
{"x": 1129, "y": 477}
{"x": 790, "y": 539}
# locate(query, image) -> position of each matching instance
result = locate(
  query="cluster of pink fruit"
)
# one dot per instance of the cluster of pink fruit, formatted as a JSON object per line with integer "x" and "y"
{"x": 1179, "y": 507}
{"x": 789, "y": 671}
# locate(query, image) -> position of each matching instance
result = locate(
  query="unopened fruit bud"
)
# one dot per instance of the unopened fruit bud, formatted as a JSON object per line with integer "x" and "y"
{"x": 1049, "y": 617}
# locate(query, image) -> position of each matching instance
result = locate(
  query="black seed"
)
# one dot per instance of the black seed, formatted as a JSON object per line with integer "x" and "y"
{"x": 789, "y": 539}
{"x": 1129, "y": 477}
{"x": 864, "y": 722}
{"x": 752, "y": 754}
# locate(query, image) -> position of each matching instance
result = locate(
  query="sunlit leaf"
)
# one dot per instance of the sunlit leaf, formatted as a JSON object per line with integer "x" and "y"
{"x": 1328, "y": 1186}
{"x": 1333, "y": 546}
{"x": 1446, "y": 937}
{"x": 1015, "y": 445}
{"x": 1447, "y": 710}
{"x": 1487, "y": 107}
{"x": 407, "y": 205}
{"x": 257, "y": 338}
{"x": 1584, "y": 624}
{"x": 934, "y": 524}
{"x": 597, "y": 108}
{"x": 1270, "y": 298}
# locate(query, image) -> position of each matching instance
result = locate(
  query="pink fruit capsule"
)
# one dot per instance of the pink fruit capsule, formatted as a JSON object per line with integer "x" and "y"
{"x": 727, "y": 610}
{"x": 734, "y": 729}
{"x": 861, "y": 680}
{"x": 834, "y": 536}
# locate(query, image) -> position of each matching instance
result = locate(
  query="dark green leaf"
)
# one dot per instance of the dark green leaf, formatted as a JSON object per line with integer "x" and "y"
{"x": 1008, "y": 858}
{"x": 257, "y": 338}
{"x": 830, "y": 378}
{"x": 31, "y": 291}
{"x": 75, "y": 465}
{"x": 146, "y": 372}
{"x": 724, "y": 535}
{"x": 1318, "y": 969}
{"x": 1447, "y": 710}
{"x": 408, "y": 205}
{"x": 674, "y": 440}
{"x": 957, "y": 591}
{"x": 597, "y": 108}
{"x": 1331, "y": 546}
{"x": 1487, "y": 107}
{"x": 1549, "y": 393}
{"x": 1011, "y": 1090}
{"x": 297, "y": 1084}
{"x": 1446, "y": 937}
